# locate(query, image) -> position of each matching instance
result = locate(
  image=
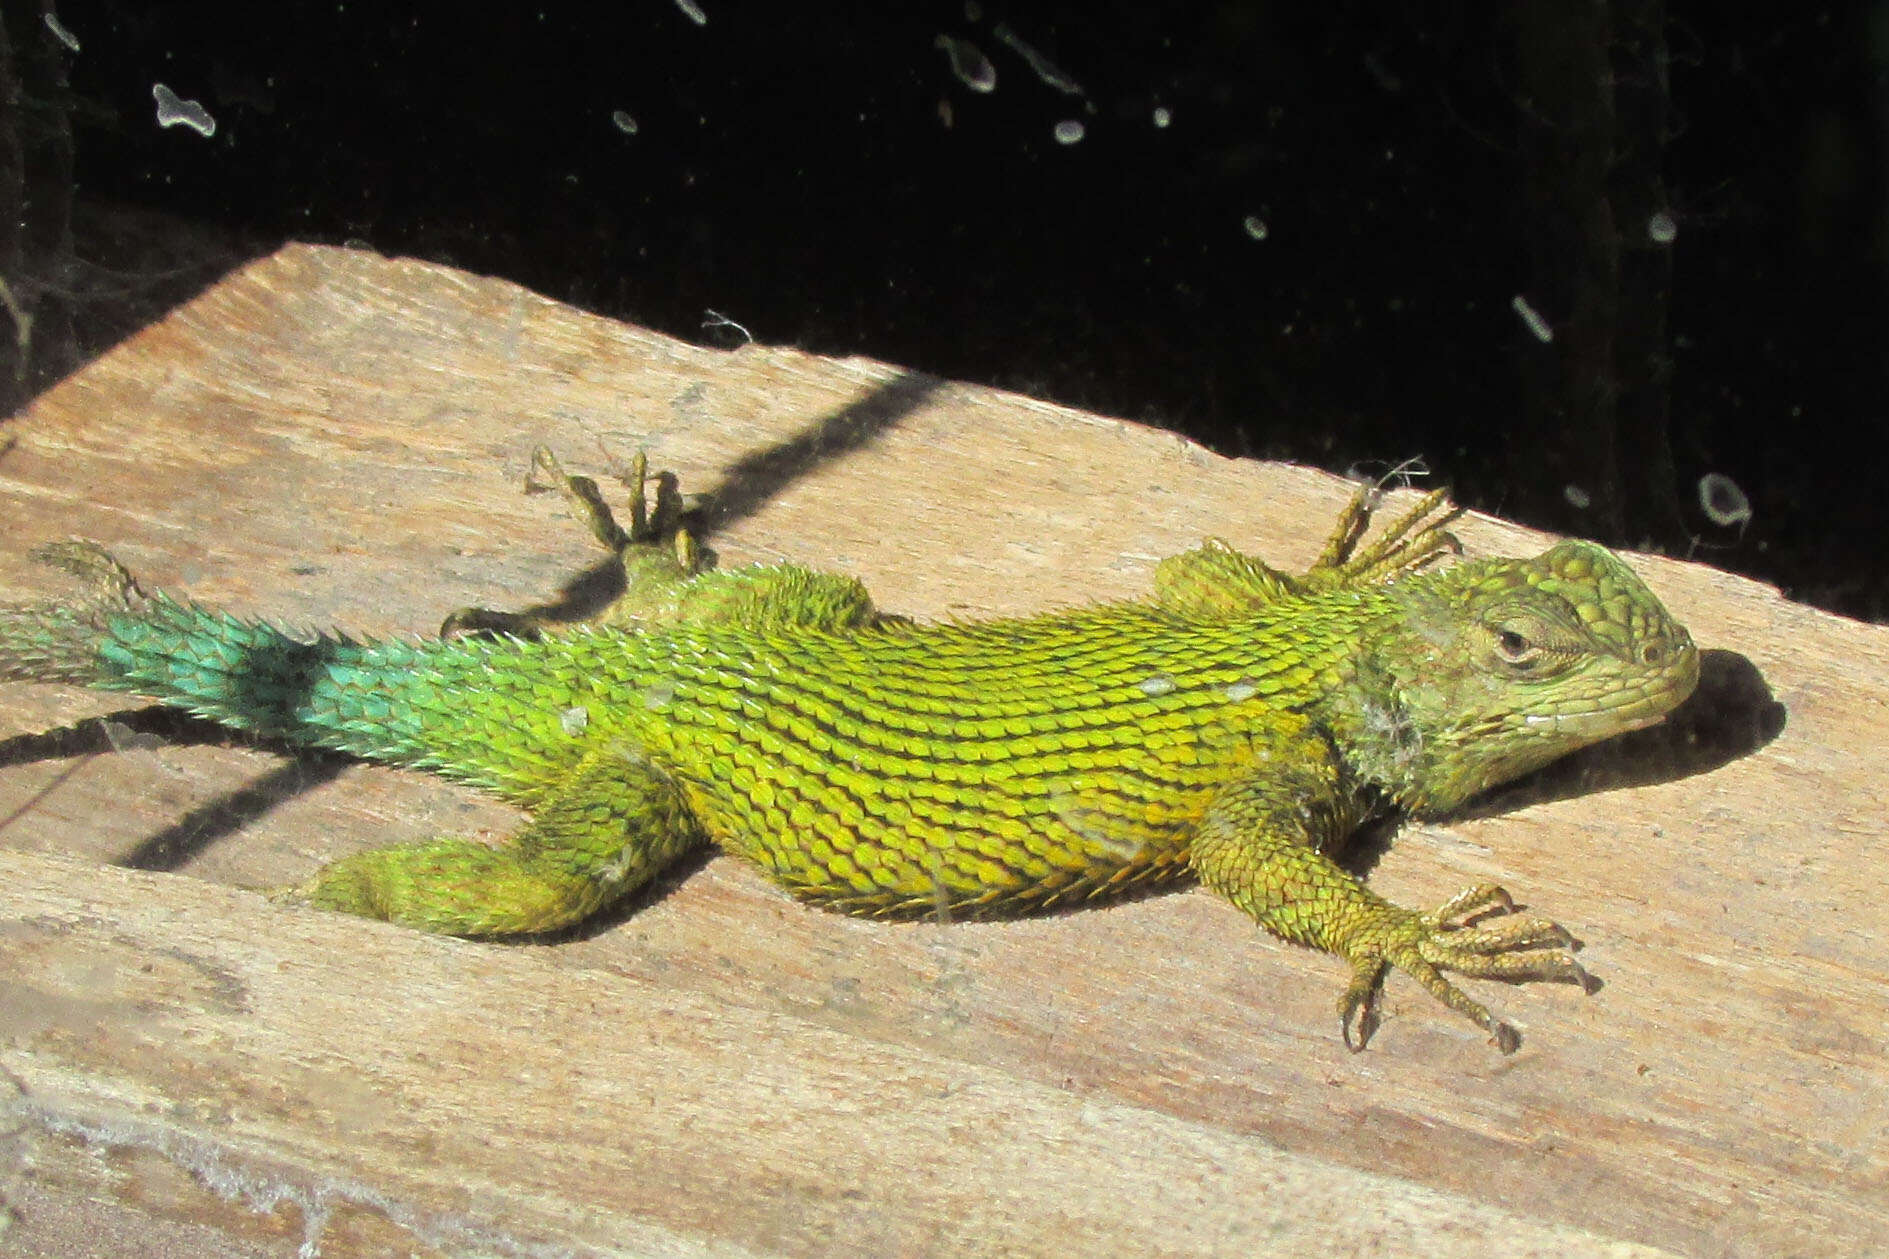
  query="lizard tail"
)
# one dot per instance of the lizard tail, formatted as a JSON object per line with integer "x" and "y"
{"x": 325, "y": 690}
{"x": 59, "y": 642}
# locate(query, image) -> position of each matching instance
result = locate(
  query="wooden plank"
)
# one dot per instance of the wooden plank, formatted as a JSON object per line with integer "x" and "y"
{"x": 333, "y": 437}
{"x": 500, "y": 1100}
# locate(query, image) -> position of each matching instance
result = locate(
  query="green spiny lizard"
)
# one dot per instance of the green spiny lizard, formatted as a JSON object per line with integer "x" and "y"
{"x": 1236, "y": 728}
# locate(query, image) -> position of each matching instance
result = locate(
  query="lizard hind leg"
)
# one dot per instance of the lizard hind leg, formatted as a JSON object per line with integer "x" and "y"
{"x": 607, "y": 827}
{"x": 656, "y": 555}
{"x": 665, "y": 577}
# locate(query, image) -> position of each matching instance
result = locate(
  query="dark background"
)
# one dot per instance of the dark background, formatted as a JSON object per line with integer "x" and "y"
{"x": 1316, "y": 259}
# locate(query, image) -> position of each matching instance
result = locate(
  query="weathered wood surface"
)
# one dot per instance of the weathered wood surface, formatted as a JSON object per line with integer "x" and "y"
{"x": 335, "y": 438}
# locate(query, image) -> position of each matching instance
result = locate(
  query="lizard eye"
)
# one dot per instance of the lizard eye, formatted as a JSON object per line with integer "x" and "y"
{"x": 1514, "y": 646}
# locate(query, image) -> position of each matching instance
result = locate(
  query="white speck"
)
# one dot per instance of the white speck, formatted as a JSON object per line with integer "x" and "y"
{"x": 574, "y": 721}
{"x": 658, "y": 697}
{"x": 968, "y": 63}
{"x": 1096, "y": 826}
{"x": 1577, "y": 497}
{"x": 623, "y": 122}
{"x": 173, "y": 111}
{"x": 1162, "y": 116}
{"x": 1069, "y": 131}
{"x": 1241, "y": 690}
{"x": 1536, "y": 324}
{"x": 1159, "y": 684}
{"x": 693, "y": 12}
{"x": 1722, "y": 501}
{"x": 715, "y": 319}
{"x": 1255, "y": 227}
{"x": 1045, "y": 69}
{"x": 1385, "y": 79}
{"x": 1660, "y": 229}
{"x": 60, "y": 33}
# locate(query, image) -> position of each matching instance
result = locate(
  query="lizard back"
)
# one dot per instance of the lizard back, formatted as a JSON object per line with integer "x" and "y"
{"x": 899, "y": 771}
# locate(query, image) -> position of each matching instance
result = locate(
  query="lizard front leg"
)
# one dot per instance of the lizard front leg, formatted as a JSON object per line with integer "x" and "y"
{"x": 1262, "y": 845}
{"x": 1216, "y": 581}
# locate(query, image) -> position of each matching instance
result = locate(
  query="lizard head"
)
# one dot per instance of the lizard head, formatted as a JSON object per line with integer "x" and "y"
{"x": 1500, "y": 666}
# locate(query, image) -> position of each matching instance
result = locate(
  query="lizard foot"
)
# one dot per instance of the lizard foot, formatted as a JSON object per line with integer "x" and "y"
{"x": 659, "y": 548}
{"x": 1514, "y": 948}
{"x": 657, "y": 517}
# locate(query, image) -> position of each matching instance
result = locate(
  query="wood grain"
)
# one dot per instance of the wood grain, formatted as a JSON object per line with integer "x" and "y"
{"x": 331, "y": 437}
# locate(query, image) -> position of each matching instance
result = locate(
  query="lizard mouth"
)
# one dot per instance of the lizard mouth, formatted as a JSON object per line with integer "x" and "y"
{"x": 1648, "y": 708}
{"x": 1598, "y": 722}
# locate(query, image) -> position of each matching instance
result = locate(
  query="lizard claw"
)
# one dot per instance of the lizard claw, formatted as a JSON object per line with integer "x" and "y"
{"x": 1358, "y": 1008}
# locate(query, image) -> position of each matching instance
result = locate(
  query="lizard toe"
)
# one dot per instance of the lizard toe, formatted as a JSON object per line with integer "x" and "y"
{"x": 1506, "y": 935}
